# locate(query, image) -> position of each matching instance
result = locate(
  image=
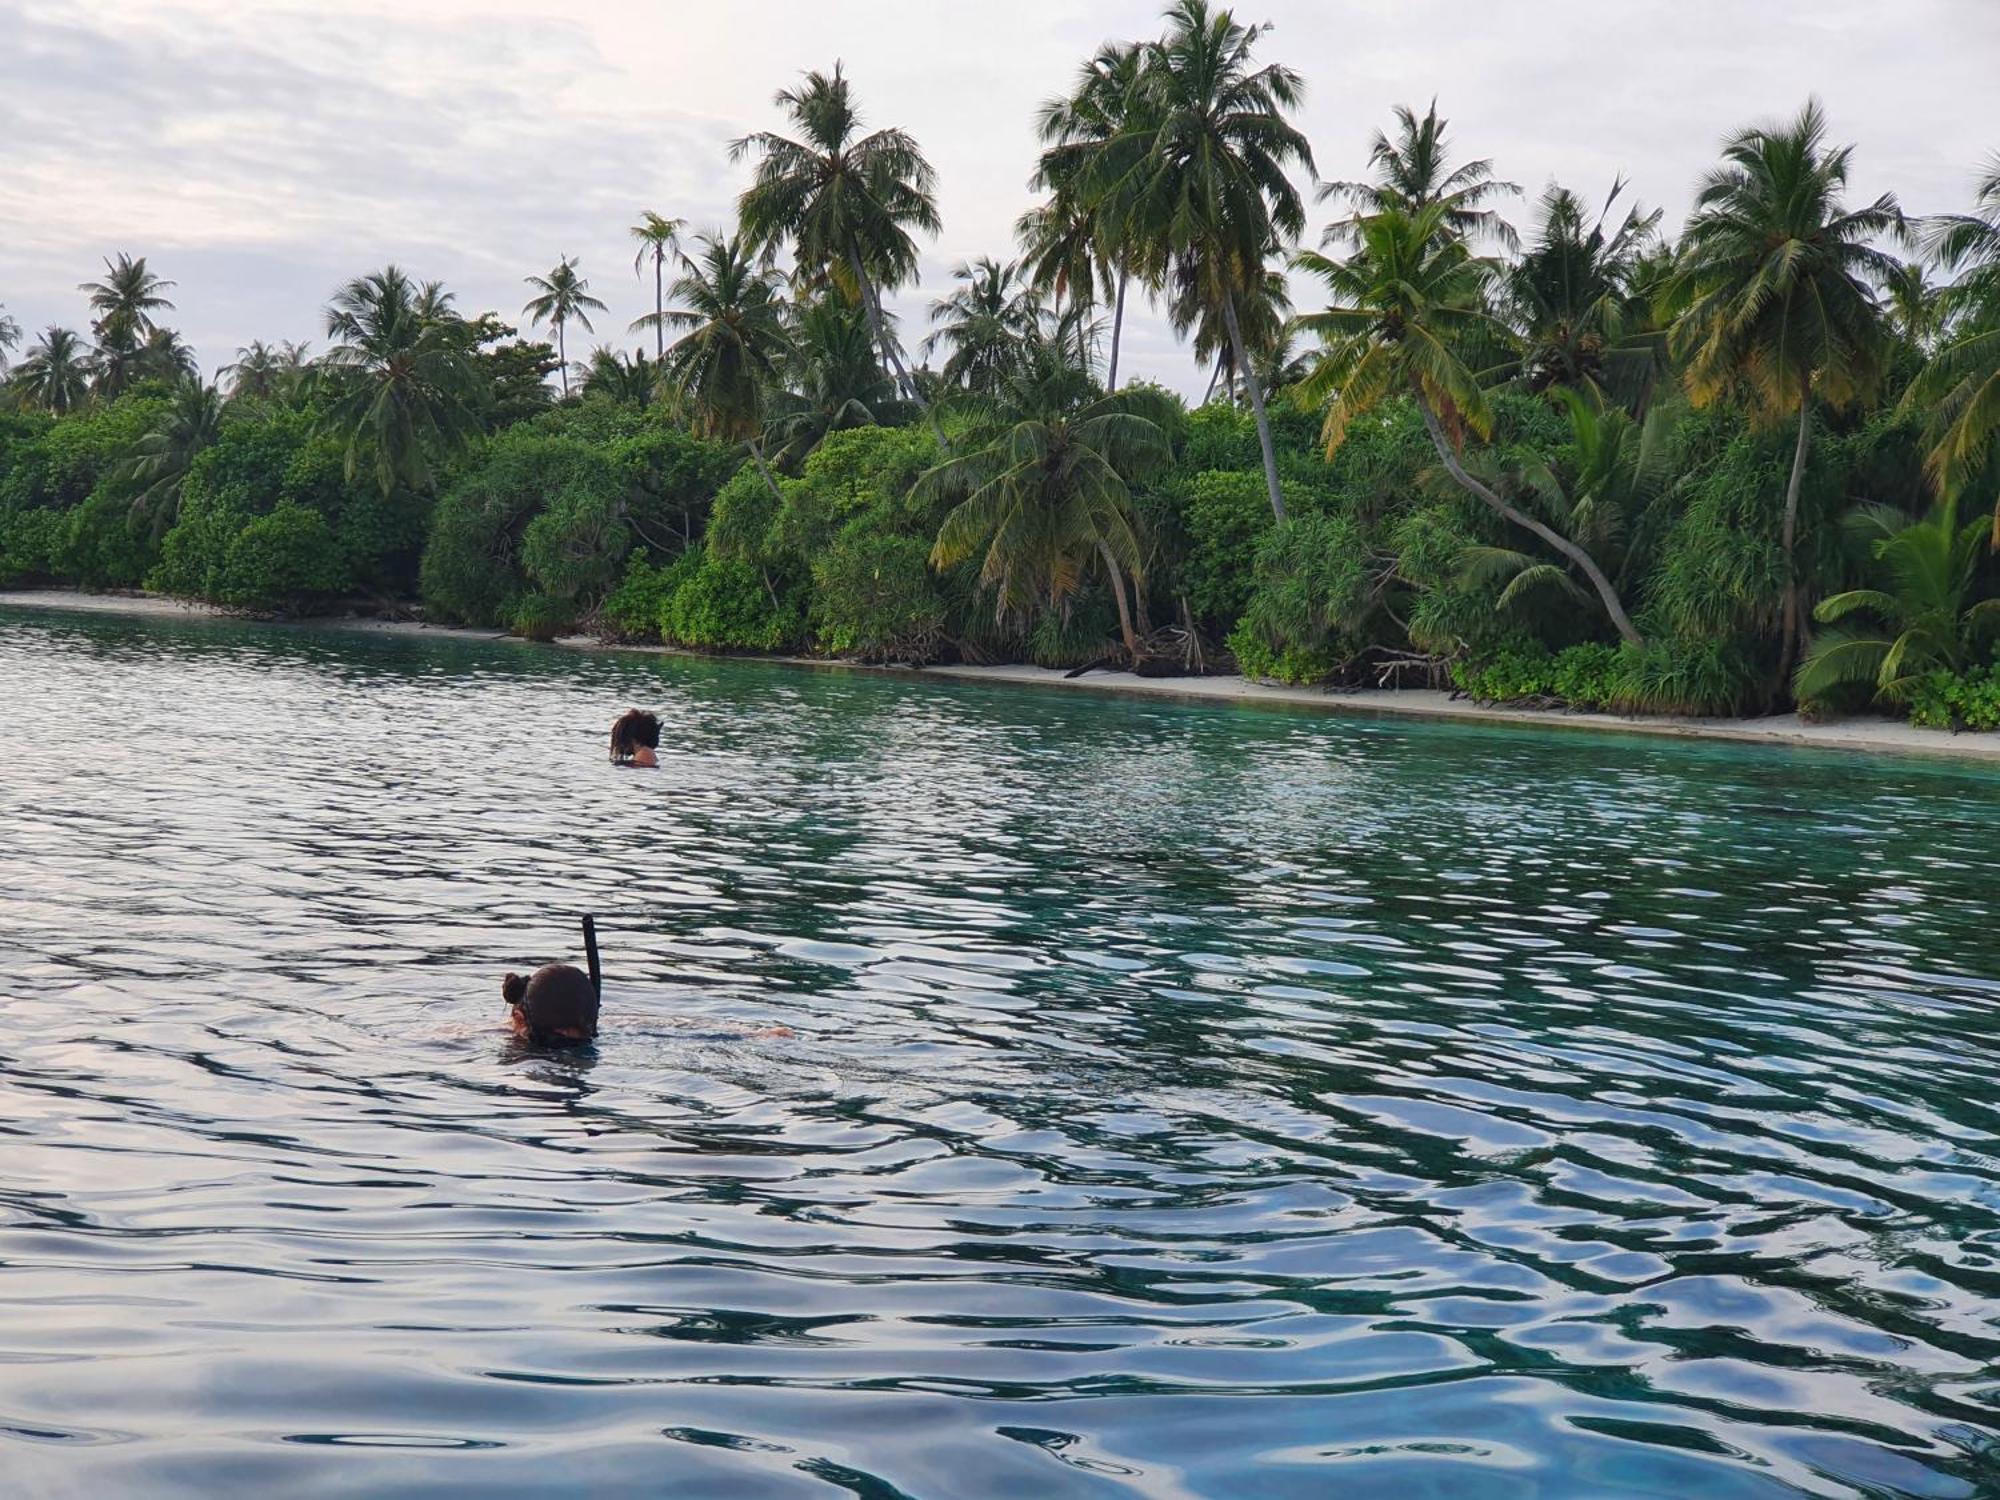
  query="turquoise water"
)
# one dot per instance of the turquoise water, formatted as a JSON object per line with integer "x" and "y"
{"x": 1184, "y": 1101}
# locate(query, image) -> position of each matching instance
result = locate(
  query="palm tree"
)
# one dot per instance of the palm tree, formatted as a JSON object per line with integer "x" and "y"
{"x": 1927, "y": 619}
{"x": 125, "y": 300}
{"x": 1572, "y": 299}
{"x": 844, "y": 202}
{"x": 1048, "y": 486}
{"x": 723, "y": 367}
{"x": 1402, "y": 306}
{"x": 833, "y": 379}
{"x": 1196, "y": 182}
{"x": 165, "y": 356}
{"x": 988, "y": 322}
{"x": 55, "y": 375}
{"x": 633, "y": 381}
{"x": 565, "y": 298}
{"x": 1960, "y": 386}
{"x": 658, "y": 238}
{"x": 263, "y": 372}
{"x": 1412, "y": 172}
{"x": 10, "y": 335}
{"x": 161, "y": 459}
{"x": 400, "y": 388}
{"x": 1777, "y": 275}
{"x": 1598, "y": 491}
{"x": 1069, "y": 245}
{"x": 1263, "y": 313}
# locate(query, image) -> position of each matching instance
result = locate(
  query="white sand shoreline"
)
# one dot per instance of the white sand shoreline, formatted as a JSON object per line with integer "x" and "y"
{"x": 1870, "y": 735}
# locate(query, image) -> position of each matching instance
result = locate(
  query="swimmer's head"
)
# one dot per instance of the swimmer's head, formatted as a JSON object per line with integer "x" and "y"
{"x": 635, "y": 729}
{"x": 556, "y": 1007}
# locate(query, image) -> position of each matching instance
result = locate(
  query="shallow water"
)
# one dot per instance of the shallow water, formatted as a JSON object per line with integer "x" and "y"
{"x": 1185, "y": 1100}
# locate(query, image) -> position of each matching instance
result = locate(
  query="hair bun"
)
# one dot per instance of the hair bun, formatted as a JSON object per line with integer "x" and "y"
{"x": 514, "y": 989}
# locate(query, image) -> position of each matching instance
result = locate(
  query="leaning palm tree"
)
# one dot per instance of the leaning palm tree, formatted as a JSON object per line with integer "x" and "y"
{"x": 1777, "y": 276}
{"x": 398, "y": 387}
{"x": 564, "y": 299}
{"x": 988, "y": 322}
{"x": 1196, "y": 182}
{"x": 727, "y": 360}
{"x": 55, "y": 374}
{"x": 125, "y": 300}
{"x": 844, "y": 202}
{"x": 1412, "y": 172}
{"x": 1960, "y": 386}
{"x": 161, "y": 459}
{"x": 658, "y": 239}
{"x": 10, "y": 335}
{"x": 1402, "y": 306}
{"x": 1046, "y": 487}
{"x": 1926, "y": 618}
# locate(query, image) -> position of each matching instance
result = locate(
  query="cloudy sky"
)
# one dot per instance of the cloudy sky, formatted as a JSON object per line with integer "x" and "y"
{"x": 260, "y": 154}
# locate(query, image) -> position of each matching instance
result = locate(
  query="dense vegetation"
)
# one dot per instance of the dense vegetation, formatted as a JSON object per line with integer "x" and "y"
{"x": 1570, "y": 459}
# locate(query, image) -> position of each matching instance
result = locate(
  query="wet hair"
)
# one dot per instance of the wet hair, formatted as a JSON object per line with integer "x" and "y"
{"x": 558, "y": 998}
{"x": 631, "y": 729}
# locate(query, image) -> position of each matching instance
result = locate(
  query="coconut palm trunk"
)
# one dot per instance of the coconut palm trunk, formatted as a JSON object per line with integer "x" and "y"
{"x": 1125, "y": 629}
{"x": 562, "y": 355}
{"x": 1117, "y": 328}
{"x": 1256, "y": 390}
{"x": 757, "y": 452}
{"x": 871, "y": 300}
{"x": 659, "y": 304}
{"x": 1789, "y": 641}
{"x": 1608, "y": 595}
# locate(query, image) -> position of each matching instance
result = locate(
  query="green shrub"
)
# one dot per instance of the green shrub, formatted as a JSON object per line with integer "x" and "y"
{"x": 873, "y": 597}
{"x": 31, "y": 543}
{"x": 542, "y": 617}
{"x": 1298, "y": 665}
{"x": 1311, "y": 584}
{"x": 632, "y": 610}
{"x": 1697, "y": 677}
{"x": 724, "y": 603}
{"x": 1510, "y": 675}
{"x": 284, "y": 561}
{"x": 1075, "y": 635}
{"x": 107, "y": 545}
{"x": 1958, "y": 700}
{"x": 1588, "y": 675}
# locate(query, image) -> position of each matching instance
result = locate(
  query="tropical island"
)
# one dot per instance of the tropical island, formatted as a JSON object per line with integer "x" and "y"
{"x": 1546, "y": 452}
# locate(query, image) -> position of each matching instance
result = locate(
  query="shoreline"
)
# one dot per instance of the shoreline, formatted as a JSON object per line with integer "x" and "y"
{"x": 1876, "y": 736}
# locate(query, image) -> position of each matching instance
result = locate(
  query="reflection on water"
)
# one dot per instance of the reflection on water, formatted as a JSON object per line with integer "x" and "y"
{"x": 1184, "y": 1101}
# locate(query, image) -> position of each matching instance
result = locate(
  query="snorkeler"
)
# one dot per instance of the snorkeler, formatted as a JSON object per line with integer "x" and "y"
{"x": 557, "y": 1007}
{"x": 635, "y": 735}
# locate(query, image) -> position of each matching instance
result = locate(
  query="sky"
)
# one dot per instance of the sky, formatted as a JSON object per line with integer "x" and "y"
{"x": 259, "y": 155}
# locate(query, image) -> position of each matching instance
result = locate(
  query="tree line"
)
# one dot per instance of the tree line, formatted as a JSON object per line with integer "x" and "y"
{"x": 1571, "y": 459}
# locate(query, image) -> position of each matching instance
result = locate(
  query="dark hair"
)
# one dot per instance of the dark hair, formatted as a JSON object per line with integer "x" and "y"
{"x": 633, "y": 728}
{"x": 559, "y": 998}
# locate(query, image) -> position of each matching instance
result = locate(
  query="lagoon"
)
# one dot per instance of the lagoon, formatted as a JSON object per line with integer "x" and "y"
{"x": 1185, "y": 1100}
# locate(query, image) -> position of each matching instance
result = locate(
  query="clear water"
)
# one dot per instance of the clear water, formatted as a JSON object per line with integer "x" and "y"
{"x": 1185, "y": 1100}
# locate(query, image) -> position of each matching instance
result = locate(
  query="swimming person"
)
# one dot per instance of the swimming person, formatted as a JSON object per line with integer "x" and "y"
{"x": 635, "y": 735}
{"x": 557, "y": 1007}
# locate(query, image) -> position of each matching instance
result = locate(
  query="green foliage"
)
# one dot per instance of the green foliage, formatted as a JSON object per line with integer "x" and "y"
{"x": 1310, "y": 593}
{"x": 1957, "y": 700}
{"x": 542, "y": 617}
{"x": 873, "y": 597}
{"x": 726, "y": 604}
{"x": 631, "y": 612}
{"x": 31, "y": 543}
{"x": 284, "y": 561}
{"x": 1298, "y": 665}
{"x": 108, "y": 545}
{"x": 1671, "y": 677}
{"x": 534, "y": 512}
{"x": 1070, "y": 637}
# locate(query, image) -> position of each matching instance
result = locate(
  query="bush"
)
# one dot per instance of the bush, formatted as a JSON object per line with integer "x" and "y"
{"x": 632, "y": 611}
{"x": 1077, "y": 634}
{"x": 1955, "y": 700}
{"x": 284, "y": 561}
{"x": 722, "y": 603}
{"x": 1587, "y": 675}
{"x": 31, "y": 543}
{"x": 542, "y": 617}
{"x": 873, "y": 597}
{"x": 1310, "y": 592}
{"x": 107, "y": 545}
{"x": 1298, "y": 665}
